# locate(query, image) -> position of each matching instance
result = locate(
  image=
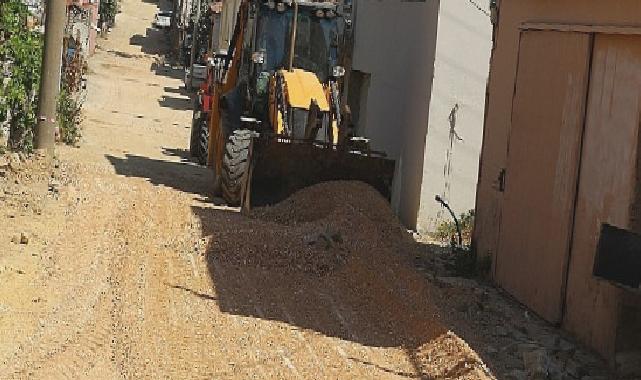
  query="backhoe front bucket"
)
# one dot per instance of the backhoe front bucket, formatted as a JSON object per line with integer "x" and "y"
{"x": 282, "y": 168}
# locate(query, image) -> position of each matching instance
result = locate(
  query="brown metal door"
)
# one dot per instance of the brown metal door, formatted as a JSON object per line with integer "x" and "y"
{"x": 608, "y": 180}
{"x": 541, "y": 174}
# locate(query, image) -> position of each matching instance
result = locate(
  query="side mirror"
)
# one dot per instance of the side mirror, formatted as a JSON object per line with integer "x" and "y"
{"x": 338, "y": 71}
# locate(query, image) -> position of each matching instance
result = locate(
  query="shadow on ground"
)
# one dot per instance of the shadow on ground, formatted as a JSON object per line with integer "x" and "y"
{"x": 156, "y": 42}
{"x": 153, "y": 42}
{"x": 160, "y": 67}
{"x": 123, "y": 54}
{"x": 178, "y": 104}
{"x": 182, "y": 176}
{"x": 183, "y": 154}
{"x": 376, "y": 301}
{"x": 181, "y": 91}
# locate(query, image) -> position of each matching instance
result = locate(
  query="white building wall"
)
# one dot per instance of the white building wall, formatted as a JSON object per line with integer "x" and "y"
{"x": 228, "y": 22}
{"x": 80, "y": 30}
{"x": 453, "y": 146}
{"x": 395, "y": 43}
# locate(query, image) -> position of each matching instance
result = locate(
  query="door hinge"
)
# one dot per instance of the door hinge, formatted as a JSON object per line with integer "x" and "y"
{"x": 501, "y": 180}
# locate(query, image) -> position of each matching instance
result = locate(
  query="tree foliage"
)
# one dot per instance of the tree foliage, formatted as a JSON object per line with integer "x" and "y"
{"x": 69, "y": 117}
{"x": 21, "y": 53}
{"x": 108, "y": 10}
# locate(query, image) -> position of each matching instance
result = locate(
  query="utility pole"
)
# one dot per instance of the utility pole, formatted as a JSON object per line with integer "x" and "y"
{"x": 193, "y": 45}
{"x": 50, "y": 78}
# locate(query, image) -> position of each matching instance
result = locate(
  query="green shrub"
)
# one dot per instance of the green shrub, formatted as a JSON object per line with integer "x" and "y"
{"x": 69, "y": 118}
{"x": 108, "y": 10}
{"x": 22, "y": 48}
{"x": 446, "y": 231}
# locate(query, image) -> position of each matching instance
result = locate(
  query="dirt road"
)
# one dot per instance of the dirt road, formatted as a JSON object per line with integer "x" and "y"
{"x": 124, "y": 273}
{"x": 119, "y": 284}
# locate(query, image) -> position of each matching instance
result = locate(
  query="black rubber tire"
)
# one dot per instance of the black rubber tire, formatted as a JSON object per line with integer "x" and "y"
{"x": 236, "y": 164}
{"x": 203, "y": 142}
{"x": 193, "y": 140}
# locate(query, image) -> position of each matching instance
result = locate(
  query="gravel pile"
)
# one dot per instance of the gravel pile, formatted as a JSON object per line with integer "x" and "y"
{"x": 314, "y": 231}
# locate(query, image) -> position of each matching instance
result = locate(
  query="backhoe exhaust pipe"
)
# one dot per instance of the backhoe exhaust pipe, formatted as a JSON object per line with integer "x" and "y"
{"x": 292, "y": 42}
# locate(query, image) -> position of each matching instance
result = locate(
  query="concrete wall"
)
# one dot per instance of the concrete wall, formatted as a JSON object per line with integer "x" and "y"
{"x": 600, "y": 299}
{"x": 456, "y": 112}
{"x": 93, "y": 33}
{"x": 79, "y": 20}
{"x": 395, "y": 42}
{"x": 228, "y": 21}
{"x": 85, "y": 25}
{"x": 81, "y": 29}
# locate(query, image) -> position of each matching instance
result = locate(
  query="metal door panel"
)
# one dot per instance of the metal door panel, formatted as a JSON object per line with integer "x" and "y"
{"x": 542, "y": 170}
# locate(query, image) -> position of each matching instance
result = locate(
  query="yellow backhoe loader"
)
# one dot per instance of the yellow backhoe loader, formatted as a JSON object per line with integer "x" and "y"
{"x": 276, "y": 123}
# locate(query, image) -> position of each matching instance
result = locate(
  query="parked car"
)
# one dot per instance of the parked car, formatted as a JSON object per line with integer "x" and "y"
{"x": 163, "y": 19}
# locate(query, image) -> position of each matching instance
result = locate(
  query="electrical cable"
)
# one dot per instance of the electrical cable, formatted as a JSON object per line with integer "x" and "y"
{"x": 479, "y": 8}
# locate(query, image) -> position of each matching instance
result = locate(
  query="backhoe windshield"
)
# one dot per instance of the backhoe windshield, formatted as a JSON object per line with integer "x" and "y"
{"x": 314, "y": 50}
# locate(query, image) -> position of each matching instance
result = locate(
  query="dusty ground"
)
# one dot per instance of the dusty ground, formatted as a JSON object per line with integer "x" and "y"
{"x": 119, "y": 265}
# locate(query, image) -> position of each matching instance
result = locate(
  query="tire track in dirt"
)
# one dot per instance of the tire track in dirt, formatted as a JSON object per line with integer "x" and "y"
{"x": 102, "y": 319}
{"x": 71, "y": 329}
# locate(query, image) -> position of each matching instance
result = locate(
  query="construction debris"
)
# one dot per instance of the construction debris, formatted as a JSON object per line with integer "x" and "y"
{"x": 314, "y": 230}
{"x": 513, "y": 342}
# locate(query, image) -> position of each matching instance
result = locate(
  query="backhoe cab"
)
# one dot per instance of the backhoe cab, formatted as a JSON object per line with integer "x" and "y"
{"x": 276, "y": 123}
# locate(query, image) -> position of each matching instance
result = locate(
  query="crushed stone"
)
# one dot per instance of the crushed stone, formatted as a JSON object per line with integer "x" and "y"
{"x": 314, "y": 230}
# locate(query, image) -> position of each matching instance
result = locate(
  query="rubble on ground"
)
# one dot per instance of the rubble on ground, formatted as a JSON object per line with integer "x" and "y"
{"x": 314, "y": 230}
{"x": 318, "y": 229}
{"x": 26, "y": 180}
{"x": 514, "y": 342}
